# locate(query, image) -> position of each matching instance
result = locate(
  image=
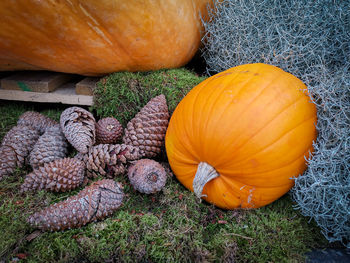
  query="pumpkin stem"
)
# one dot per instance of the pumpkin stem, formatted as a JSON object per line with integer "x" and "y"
{"x": 205, "y": 173}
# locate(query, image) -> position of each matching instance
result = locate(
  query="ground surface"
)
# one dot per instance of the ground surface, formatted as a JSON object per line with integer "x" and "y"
{"x": 170, "y": 226}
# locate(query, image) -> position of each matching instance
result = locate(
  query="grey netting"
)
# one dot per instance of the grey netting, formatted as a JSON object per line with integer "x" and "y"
{"x": 310, "y": 39}
{"x": 293, "y": 35}
{"x": 323, "y": 191}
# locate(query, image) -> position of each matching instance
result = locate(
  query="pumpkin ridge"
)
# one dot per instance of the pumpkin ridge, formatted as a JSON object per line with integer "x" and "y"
{"x": 272, "y": 170}
{"x": 177, "y": 128}
{"x": 272, "y": 143}
{"x": 193, "y": 119}
{"x": 248, "y": 105}
{"x": 250, "y": 102}
{"x": 219, "y": 94}
{"x": 259, "y": 130}
{"x": 112, "y": 39}
{"x": 223, "y": 89}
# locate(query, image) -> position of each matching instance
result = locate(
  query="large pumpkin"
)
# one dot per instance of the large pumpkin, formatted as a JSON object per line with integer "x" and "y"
{"x": 94, "y": 37}
{"x": 239, "y": 137}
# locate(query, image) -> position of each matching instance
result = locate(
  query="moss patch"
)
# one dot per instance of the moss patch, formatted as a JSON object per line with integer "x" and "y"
{"x": 123, "y": 94}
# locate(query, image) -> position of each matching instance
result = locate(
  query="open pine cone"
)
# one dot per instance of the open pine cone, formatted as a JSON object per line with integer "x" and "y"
{"x": 147, "y": 129}
{"x": 108, "y": 131}
{"x": 52, "y": 145}
{"x": 58, "y": 176}
{"x": 78, "y": 125}
{"x": 36, "y": 120}
{"x": 15, "y": 147}
{"x": 109, "y": 159}
{"x": 95, "y": 202}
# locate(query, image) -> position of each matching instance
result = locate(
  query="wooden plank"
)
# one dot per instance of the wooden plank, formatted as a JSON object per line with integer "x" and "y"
{"x": 86, "y": 86}
{"x": 37, "y": 81}
{"x": 65, "y": 94}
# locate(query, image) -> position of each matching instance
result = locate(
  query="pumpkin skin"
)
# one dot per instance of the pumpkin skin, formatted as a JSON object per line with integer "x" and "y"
{"x": 94, "y": 37}
{"x": 253, "y": 124}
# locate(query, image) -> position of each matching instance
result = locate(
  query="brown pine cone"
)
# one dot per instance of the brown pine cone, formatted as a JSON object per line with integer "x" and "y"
{"x": 95, "y": 202}
{"x": 52, "y": 145}
{"x": 15, "y": 147}
{"x": 18, "y": 132}
{"x": 22, "y": 140}
{"x": 8, "y": 161}
{"x": 36, "y": 120}
{"x": 78, "y": 125}
{"x": 147, "y": 176}
{"x": 108, "y": 131}
{"x": 109, "y": 159}
{"x": 58, "y": 176}
{"x": 147, "y": 129}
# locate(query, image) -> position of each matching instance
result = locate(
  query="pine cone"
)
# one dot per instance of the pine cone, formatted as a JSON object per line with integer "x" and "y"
{"x": 36, "y": 120}
{"x": 18, "y": 132}
{"x": 8, "y": 161}
{"x": 22, "y": 139}
{"x": 109, "y": 159}
{"x": 147, "y": 129}
{"x": 108, "y": 130}
{"x": 95, "y": 202}
{"x": 147, "y": 176}
{"x": 78, "y": 125}
{"x": 52, "y": 145}
{"x": 58, "y": 176}
{"x": 15, "y": 148}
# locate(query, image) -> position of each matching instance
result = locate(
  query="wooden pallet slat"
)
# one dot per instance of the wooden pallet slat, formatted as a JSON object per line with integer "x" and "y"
{"x": 37, "y": 81}
{"x": 47, "y": 87}
{"x": 86, "y": 86}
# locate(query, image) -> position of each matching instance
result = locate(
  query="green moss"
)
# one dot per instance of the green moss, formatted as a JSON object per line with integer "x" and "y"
{"x": 123, "y": 94}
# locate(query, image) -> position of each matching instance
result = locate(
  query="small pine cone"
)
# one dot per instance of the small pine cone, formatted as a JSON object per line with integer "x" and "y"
{"x": 147, "y": 129}
{"x": 108, "y": 131}
{"x": 36, "y": 120}
{"x": 22, "y": 139}
{"x": 78, "y": 125}
{"x": 8, "y": 161}
{"x": 109, "y": 159}
{"x": 58, "y": 176}
{"x": 94, "y": 202}
{"x": 147, "y": 176}
{"x": 52, "y": 145}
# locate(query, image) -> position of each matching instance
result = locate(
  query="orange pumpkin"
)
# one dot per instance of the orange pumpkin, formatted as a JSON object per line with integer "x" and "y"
{"x": 239, "y": 137}
{"x": 93, "y": 37}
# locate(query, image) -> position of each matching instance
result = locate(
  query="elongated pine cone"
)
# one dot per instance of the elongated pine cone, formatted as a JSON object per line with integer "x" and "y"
{"x": 15, "y": 148}
{"x": 58, "y": 176}
{"x": 36, "y": 120}
{"x": 78, "y": 125}
{"x": 108, "y": 131}
{"x": 52, "y": 145}
{"x": 95, "y": 202}
{"x": 147, "y": 176}
{"x": 147, "y": 129}
{"x": 109, "y": 159}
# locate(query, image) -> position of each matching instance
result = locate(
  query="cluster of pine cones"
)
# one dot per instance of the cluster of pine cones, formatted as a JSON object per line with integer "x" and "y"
{"x": 103, "y": 150}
